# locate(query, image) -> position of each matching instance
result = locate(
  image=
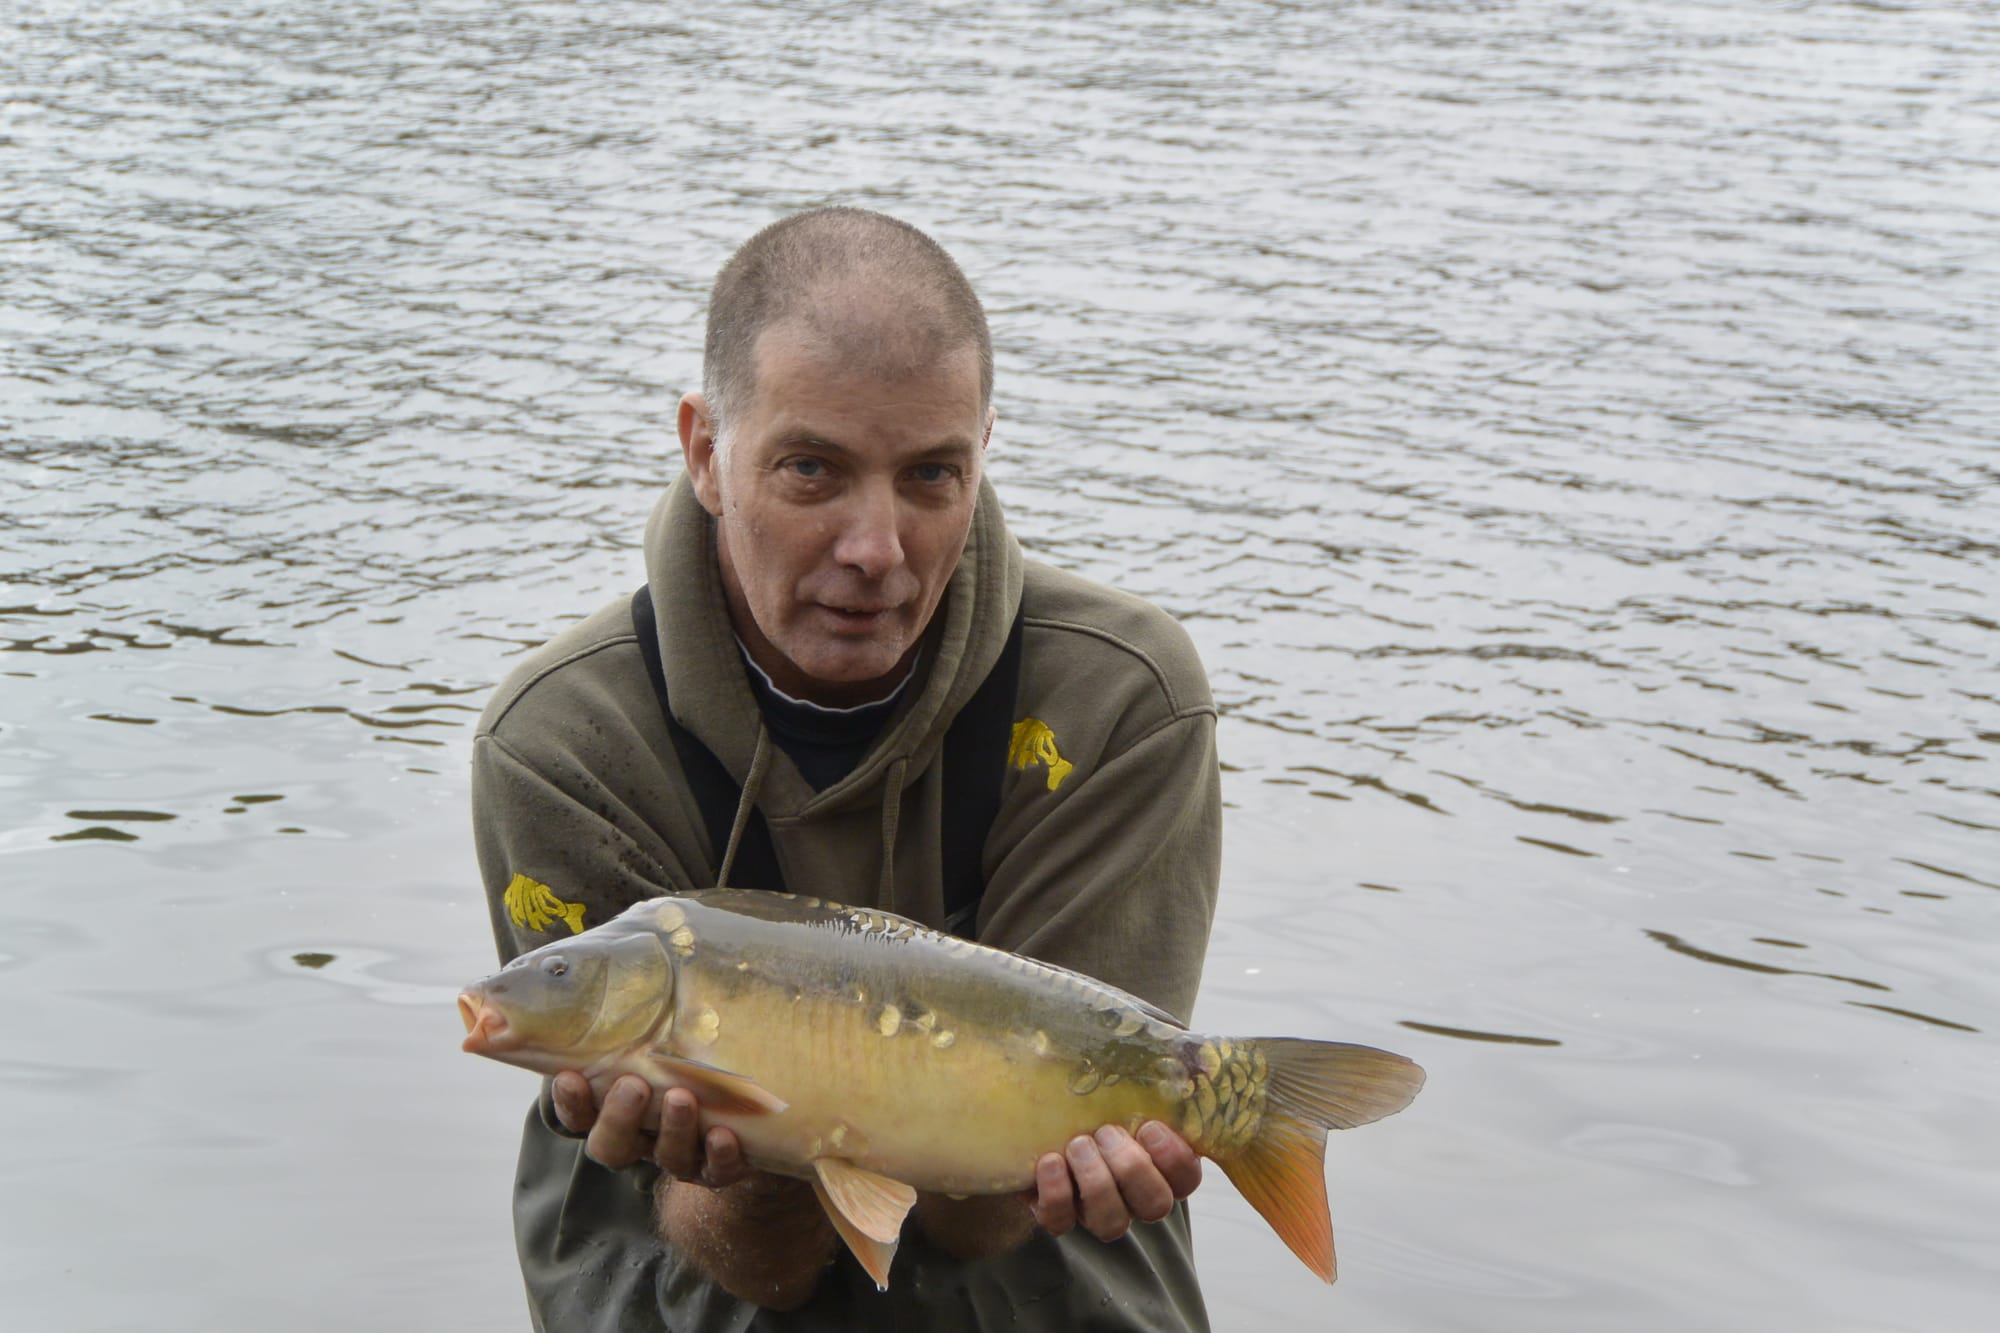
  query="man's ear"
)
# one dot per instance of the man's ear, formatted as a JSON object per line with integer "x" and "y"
{"x": 704, "y": 465}
{"x": 986, "y": 436}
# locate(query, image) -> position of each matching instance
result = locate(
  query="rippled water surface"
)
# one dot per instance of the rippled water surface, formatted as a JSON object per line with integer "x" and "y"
{"x": 1567, "y": 429}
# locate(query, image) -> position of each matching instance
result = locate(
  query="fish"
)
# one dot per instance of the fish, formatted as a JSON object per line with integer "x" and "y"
{"x": 876, "y": 1057}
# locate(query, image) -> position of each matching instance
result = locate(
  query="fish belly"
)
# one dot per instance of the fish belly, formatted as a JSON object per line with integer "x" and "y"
{"x": 939, "y": 1101}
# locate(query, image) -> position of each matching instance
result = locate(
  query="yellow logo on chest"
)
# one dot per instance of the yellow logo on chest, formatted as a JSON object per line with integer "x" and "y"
{"x": 533, "y": 905}
{"x": 1034, "y": 743}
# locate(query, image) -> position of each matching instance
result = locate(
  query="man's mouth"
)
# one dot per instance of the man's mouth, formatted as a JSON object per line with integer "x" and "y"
{"x": 857, "y": 615}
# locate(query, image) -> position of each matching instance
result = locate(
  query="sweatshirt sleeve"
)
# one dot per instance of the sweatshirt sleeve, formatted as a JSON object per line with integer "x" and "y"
{"x": 558, "y": 855}
{"x": 1114, "y": 872}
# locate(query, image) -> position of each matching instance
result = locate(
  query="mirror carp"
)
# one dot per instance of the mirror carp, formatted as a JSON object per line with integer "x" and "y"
{"x": 876, "y": 1057}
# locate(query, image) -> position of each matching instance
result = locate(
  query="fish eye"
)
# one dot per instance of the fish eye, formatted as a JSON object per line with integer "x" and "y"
{"x": 555, "y": 966}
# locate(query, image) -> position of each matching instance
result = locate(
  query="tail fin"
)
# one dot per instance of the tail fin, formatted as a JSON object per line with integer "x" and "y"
{"x": 1310, "y": 1088}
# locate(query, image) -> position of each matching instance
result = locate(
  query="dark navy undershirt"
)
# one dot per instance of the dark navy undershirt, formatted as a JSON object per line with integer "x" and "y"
{"x": 826, "y": 744}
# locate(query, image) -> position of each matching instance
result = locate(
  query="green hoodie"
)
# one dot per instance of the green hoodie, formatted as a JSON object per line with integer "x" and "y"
{"x": 1103, "y": 857}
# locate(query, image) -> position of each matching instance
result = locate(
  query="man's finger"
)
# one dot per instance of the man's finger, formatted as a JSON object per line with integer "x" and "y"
{"x": 722, "y": 1158}
{"x": 616, "y": 1140}
{"x": 1055, "y": 1195}
{"x": 1172, "y": 1157}
{"x": 1145, "y": 1192}
{"x": 677, "y": 1147}
{"x": 1102, "y": 1209}
{"x": 576, "y": 1105}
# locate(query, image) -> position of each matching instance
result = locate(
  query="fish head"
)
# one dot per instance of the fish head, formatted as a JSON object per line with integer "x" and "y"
{"x": 570, "y": 1004}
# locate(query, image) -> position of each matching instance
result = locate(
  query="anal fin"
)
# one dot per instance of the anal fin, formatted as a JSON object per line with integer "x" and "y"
{"x": 717, "y": 1089}
{"x": 866, "y": 1208}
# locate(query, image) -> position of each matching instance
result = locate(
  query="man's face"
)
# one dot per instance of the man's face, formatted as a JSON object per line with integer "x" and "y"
{"x": 841, "y": 509}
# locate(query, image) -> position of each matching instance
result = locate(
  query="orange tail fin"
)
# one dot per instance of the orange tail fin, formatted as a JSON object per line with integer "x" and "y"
{"x": 1310, "y": 1088}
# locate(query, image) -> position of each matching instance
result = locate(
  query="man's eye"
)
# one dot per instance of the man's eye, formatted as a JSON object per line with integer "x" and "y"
{"x": 809, "y": 469}
{"x": 932, "y": 473}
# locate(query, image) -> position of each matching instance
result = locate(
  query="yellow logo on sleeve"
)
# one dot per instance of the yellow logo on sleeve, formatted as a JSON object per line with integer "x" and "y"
{"x": 533, "y": 905}
{"x": 1034, "y": 743}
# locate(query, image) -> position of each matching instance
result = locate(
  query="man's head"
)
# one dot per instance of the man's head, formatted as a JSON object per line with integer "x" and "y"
{"x": 783, "y": 273}
{"x": 838, "y": 442}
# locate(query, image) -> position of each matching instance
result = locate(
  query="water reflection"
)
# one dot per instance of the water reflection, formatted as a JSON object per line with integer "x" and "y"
{"x": 1468, "y": 1034}
{"x": 1565, "y": 432}
{"x": 1911, "y": 1013}
{"x": 1687, "y": 950}
{"x": 95, "y": 834}
{"x": 360, "y": 970}
{"x": 101, "y": 825}
{"x": 1659, "y": 1148}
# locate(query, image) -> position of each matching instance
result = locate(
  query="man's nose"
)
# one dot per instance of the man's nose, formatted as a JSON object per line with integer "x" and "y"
{"x": 869, "y": 539}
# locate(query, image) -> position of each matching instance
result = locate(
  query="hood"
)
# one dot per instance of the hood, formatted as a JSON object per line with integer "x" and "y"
{"x": 705, "y": 674}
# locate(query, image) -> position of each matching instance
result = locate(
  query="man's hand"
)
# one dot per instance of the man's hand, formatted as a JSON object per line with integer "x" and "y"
{"x": 632, "y": 1124}
{"x": 759, "y": 1236}
{"x": 1107, "y": 1181}
{"x": 1103, "y": 1182}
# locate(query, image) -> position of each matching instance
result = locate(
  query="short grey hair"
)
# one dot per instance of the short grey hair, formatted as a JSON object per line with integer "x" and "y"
{"x": 778, "y": 273}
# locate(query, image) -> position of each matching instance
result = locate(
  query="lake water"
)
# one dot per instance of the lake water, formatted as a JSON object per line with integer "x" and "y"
{"x": 1567, "y": 430}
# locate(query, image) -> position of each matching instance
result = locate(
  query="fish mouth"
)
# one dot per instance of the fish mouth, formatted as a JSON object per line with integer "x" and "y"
{"x": 484, "y": 1024}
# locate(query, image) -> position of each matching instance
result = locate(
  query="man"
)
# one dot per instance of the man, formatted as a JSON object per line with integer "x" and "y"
{"x": 833, "y": 583}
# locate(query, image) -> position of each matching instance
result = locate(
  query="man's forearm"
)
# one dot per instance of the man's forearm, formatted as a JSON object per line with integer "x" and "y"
{"x": 978, "y": 1227}
{"x": 764, "y": 1239}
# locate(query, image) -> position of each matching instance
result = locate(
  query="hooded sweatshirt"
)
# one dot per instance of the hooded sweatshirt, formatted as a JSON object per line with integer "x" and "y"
{"x": 1103, "y": 857}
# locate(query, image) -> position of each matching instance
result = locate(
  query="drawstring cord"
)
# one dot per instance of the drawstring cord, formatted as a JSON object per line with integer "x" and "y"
{"x": 760, "y": 761}
{"x": 753, "y": 782}
{"x": 892, "y": 805}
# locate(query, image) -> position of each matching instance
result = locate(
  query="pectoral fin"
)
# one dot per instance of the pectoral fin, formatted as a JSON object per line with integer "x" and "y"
{"x": 717, "y": 1089}
{"x": 867, "y": 1210}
